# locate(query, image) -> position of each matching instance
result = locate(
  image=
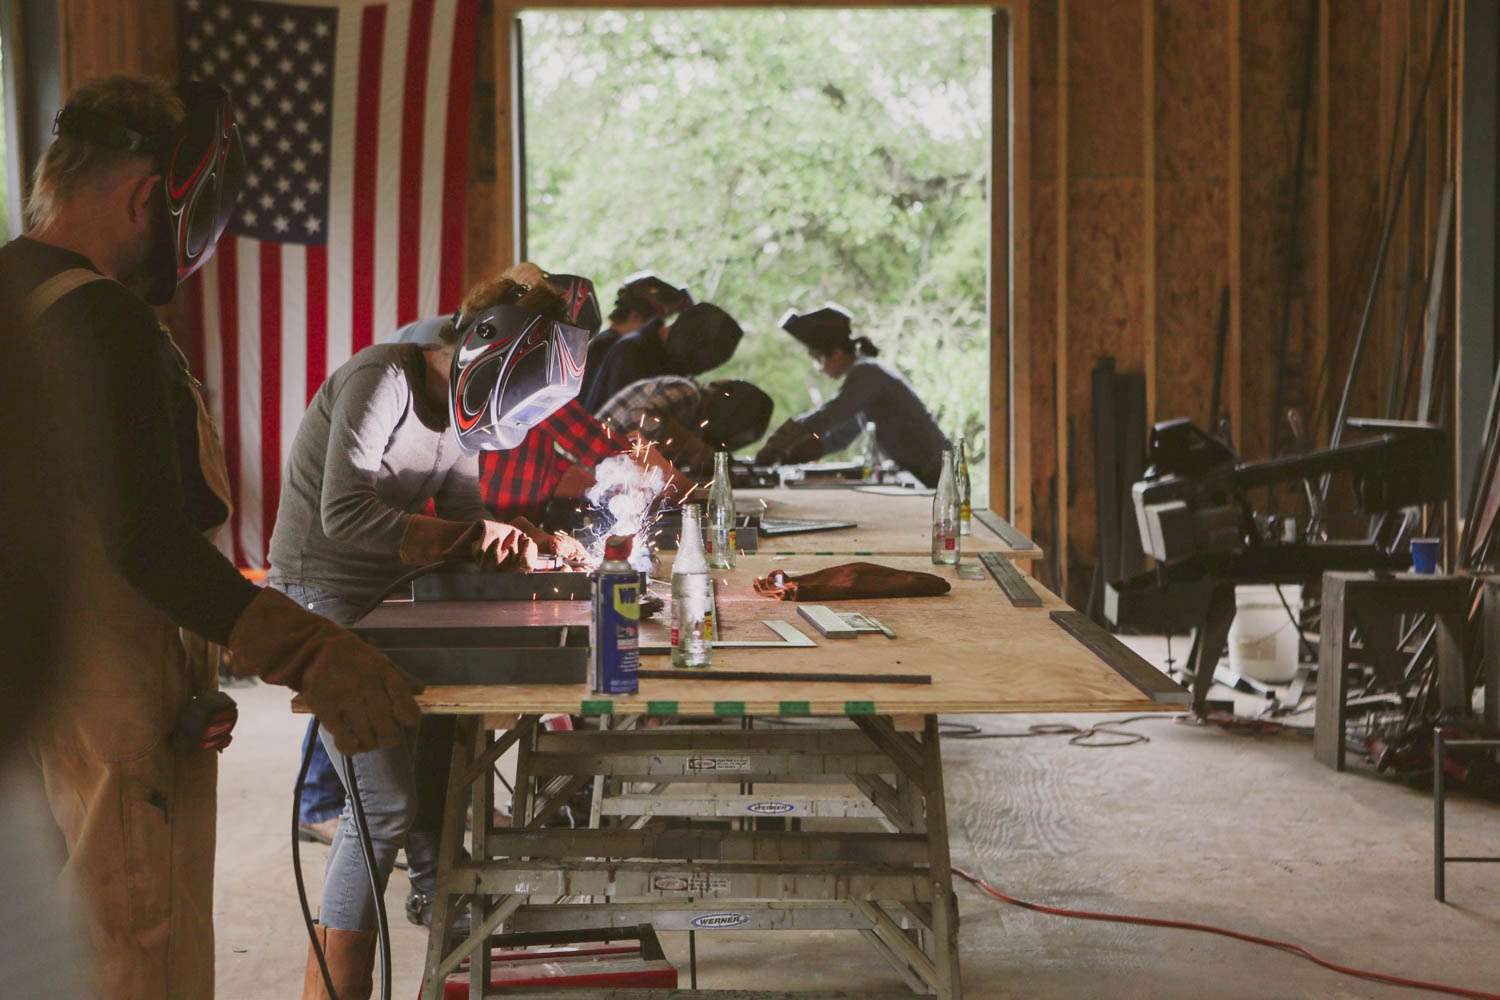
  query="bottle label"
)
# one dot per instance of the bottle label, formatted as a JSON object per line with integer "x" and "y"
{"x": 966, "y": 512}
{"x": 708, "y": 543}
{"x": 708, "y": 627}
{"x": 733, "y": 540}
{"x": 676, "y": 635}
{"x": 950, "y": 543}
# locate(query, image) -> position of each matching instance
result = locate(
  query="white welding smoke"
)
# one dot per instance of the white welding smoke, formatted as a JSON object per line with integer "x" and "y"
{"x": 625, "y": 492}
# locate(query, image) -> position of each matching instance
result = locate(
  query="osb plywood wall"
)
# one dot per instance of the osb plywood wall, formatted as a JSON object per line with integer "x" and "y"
{"x": 1162, "y": 148}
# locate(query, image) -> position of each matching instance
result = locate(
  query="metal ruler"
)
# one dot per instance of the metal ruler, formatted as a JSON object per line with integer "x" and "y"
{"x": 791, "y": 638}
{"x": 1125, "y": 661}
{"x": 1010, "y": 580}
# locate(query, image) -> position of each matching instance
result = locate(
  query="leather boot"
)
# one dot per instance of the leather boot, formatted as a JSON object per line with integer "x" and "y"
{"x": 351, "y": 965}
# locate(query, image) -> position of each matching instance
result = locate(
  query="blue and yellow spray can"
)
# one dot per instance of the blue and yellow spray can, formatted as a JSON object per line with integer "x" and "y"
{"x": 615, "y": 657}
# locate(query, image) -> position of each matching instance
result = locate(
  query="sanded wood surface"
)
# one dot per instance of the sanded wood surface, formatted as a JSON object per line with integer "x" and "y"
{"x": 887, "y": 525}
{"x": 984, "y": 655}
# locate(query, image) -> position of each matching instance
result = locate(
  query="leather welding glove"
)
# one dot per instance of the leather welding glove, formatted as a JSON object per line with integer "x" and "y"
{"x": 491, "y": 544}
{"x": 685, "y": 447}
{"x": 790, "y": 443}
{"x": 574, "y": 483}
{"x": 559, "y": 544}
{"x": 357, "y": 694}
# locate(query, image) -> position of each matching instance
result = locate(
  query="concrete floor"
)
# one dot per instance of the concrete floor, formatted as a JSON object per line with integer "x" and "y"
{"x": 1197, "y": 825}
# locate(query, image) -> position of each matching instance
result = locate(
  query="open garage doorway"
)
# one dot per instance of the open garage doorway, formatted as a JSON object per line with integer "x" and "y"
{"x": 776, "y": 158}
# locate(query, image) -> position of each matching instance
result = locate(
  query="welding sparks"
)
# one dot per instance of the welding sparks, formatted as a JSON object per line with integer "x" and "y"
{"x": 626, "y": 495}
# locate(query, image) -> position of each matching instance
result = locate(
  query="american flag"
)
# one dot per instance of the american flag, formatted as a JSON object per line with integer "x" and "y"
{"x": 355, "y": 119}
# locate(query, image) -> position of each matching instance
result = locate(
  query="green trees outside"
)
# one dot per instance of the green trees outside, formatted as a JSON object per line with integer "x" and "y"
{"x": 776, "y": 158}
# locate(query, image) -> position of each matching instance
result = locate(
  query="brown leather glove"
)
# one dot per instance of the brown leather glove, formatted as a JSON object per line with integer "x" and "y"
{"x": 850, "y": 581}
{"x": 358, "y": 694}
{"x": 790, "y": 443}
{"x": 489, "y": 543}
{"x": 574, "y": 483}
{"x": 686, "y": 448}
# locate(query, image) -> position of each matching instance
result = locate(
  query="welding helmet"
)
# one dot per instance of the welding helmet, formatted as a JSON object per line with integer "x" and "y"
{"x": 512, "y": 369}
{"x": 581, "y": 304}
{"x": 202, "y": 167}
{"x": 701, "y": 338}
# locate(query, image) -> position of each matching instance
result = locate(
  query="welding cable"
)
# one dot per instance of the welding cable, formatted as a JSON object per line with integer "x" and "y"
{"x": 1187, "y": 925}
{"x": 382, "y": 921}
{"x": 307, "y": 920}
{"x": 364, "y": 830}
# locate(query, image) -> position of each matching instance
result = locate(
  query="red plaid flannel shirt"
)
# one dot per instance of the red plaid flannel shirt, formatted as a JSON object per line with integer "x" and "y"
{"x": 517, "y": 482}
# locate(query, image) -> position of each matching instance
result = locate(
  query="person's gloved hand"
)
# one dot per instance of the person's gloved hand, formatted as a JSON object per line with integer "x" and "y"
{"x": 573, "y": 553}
{"x": 356, "y": 692}
{"x": 686, "y": 448}
{"x": 790, "y": 443}
{"x": 574, "y": 483}
{"x": 492, "y": 544}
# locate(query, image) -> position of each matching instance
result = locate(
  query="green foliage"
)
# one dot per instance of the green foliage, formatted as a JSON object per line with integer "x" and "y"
{"x": 773, "y": 158}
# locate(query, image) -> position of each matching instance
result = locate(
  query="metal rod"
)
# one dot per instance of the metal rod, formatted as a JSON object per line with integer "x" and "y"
{"x": 1439, "y": 890}
{"x": 1294, "y": 254}
{"x": 1398, "y": 189}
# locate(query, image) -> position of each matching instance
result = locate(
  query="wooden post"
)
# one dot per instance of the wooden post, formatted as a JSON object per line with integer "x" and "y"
{"x": 1001, "y": 251}
{"x": 507, "y": 180}
{"x": 1148, "y": 201}
{"x": 1233, "y": 361}
{"x": 1019, "y": 149}
{"x": 1061, "y": 364}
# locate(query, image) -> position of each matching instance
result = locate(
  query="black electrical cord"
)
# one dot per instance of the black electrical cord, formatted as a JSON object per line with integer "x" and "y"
{"x": 382, "y": 921}
{"x": 381, "y": 918}
{"x": 307, "y": 920}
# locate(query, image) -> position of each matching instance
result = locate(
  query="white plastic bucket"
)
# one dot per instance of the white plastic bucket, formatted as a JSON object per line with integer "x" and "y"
{"x": 1262, "y": 640}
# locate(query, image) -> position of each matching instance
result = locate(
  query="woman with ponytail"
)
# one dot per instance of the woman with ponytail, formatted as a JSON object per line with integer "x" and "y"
{"x": 870, "y": 393}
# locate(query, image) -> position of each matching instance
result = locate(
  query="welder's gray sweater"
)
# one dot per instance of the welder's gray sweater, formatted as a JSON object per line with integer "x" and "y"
{"x": 367, "y": 455}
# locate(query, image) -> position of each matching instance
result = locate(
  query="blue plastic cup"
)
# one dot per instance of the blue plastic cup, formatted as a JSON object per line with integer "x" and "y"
{"x": 1424, "y": 555}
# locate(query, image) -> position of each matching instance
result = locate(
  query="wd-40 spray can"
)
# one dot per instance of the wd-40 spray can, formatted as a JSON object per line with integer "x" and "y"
{"x": 615, "y": 657}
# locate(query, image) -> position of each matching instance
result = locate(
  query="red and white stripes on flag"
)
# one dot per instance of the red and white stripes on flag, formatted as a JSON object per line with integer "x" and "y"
{"x": 356, "y": 120}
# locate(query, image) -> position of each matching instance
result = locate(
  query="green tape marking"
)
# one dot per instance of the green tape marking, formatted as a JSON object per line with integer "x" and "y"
{"x": 859, "y": 708}
{"x": 661, "y": 708}
{"x": 599, "y": 706}
{"x": 729, "y": 708}
{"x": 795, "y": 708}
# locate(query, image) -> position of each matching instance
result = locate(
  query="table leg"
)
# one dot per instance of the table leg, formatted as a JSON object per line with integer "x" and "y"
{"x": 1330, "y": 713}
{"x": 944, "y": 902}
{"x": 1212, "y": 636}
{"x": 483, "y": 807}
{"x": 450, "y": 842}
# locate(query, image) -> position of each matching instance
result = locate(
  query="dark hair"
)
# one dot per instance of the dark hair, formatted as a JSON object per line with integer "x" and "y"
{"x": 863, "y": 347}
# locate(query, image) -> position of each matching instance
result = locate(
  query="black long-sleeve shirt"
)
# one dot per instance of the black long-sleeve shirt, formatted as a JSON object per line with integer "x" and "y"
{"x": 904, "y": 428}
{"x": 131, "y": 436}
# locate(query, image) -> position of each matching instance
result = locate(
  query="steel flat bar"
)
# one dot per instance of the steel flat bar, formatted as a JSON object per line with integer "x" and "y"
{"x": 676, "y": 915}
{"x": 1008, "y": 532}
{"x": 701, "y": 741}
{"x": 1124, "y": 660}
{"x": 1004, "y": 573}
{"x": 710, "y": 766}
{"x": 729, "y": 806}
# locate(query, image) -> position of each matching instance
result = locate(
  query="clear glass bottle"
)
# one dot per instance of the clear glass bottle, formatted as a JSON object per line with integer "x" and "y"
{"x": 692, "y": 597}
{"x": 721, "y": 537}
{"x": 871, "y": 453}
{"x": 945, "y": 543}
{"x": 965, "y": 492}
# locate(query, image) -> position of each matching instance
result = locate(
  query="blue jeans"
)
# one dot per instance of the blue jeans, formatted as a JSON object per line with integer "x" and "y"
{"x": 387, "y": 790}
{"x": 322, "y": 792}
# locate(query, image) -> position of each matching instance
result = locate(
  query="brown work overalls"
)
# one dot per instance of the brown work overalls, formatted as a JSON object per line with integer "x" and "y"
{"x": 138, "y": 818}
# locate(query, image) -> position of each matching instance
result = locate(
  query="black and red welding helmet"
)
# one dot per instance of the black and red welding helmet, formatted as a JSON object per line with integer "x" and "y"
{"x": 512, "y": 369}
{"x": 581, "y": 305}
{"x": 202, "y": 167}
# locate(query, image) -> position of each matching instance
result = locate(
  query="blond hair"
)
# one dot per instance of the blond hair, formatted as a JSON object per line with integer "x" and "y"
{"x": 144, "y": 104}
{"x": 523, "y": 285}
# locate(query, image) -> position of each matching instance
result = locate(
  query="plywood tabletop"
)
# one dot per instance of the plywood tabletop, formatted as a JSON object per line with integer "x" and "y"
{"x": 984, "y": 656}
{"x": 886, "y": 524}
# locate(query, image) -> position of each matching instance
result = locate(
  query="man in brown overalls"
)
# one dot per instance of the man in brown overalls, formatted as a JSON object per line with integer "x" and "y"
{"x": 128, "y": 200}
